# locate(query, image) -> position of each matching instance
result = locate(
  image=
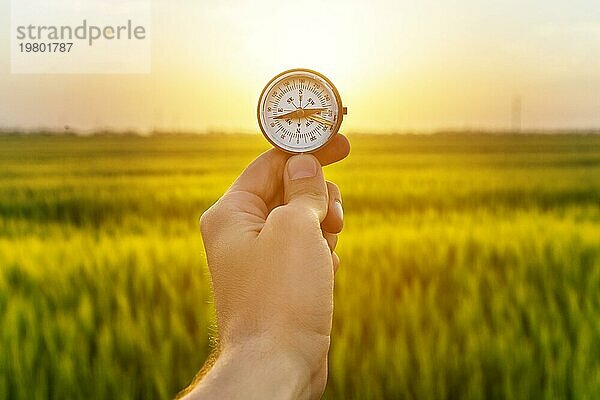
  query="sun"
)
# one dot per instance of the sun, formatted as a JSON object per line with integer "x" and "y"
{"x": 238, "y": 46}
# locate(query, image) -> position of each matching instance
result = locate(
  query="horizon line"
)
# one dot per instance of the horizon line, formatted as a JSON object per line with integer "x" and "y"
{"x": 183, "y": 132}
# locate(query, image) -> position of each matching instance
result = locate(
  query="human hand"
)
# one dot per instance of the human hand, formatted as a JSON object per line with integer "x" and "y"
{"x": 270, "y": 242}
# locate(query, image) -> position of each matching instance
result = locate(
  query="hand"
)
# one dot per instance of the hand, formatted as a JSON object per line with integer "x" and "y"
{"x": 270, "y": 244}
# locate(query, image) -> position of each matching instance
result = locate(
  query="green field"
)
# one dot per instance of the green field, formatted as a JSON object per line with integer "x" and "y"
{"x": 470, "y": 265}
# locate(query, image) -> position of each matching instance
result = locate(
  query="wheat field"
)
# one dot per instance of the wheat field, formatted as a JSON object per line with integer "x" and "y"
{"x": 470, "y": 265}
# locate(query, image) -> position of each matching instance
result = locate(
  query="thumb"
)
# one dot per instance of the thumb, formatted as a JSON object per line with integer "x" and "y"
{"x": 304, "y": 185}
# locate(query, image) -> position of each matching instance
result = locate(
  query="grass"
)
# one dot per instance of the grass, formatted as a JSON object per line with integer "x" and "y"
{"x": 470, "y": 265}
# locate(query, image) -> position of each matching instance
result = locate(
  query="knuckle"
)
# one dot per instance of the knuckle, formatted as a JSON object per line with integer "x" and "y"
{"x": 291, "y": 216}
{"x": 208, "y": 219}
{"x": 332, "y": 187}
{"x": 310, "y": 188}
{"x": 277, "y": 214}
{"x": 204, "y": 221}
{"x": 316, "y": 196}
{"x": 295, "y": 214}
{"x": 334, "y": 191}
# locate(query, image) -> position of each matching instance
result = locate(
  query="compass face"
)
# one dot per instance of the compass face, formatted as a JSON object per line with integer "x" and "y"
{"x": 299, "y": 111}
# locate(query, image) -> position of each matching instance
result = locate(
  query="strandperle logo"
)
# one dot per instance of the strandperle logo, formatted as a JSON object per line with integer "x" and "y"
{"x": 85, "y": 31}
{"x": 80, "y": 37}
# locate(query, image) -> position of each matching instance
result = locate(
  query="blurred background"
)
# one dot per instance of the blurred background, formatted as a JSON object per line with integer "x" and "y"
{"x": 470, "y": 257}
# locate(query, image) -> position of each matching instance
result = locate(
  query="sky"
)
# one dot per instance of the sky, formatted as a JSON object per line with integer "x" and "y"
{"x": 399, "y": 66}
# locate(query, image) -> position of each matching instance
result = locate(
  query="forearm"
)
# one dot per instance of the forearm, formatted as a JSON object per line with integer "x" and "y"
{"x": 256, "y": 369}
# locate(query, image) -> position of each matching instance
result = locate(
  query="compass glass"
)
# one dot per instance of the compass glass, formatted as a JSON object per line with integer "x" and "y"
{"x": 299, "y": 111}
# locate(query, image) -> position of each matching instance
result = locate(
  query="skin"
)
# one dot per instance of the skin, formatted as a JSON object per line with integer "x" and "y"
{"x": 270, "y": 242}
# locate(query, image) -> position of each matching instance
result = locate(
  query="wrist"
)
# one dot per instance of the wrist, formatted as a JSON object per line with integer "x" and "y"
{"x": 307, "y": 346}
{"x": 256, "y": 367}
{"x": 270, "y": 352}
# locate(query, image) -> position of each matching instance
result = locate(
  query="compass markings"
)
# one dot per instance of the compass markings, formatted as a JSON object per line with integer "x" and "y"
{"x": 312, "y": 133}
{"x": 304, "y": 129}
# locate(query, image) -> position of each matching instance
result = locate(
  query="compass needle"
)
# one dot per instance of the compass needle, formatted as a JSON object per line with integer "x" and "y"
{"x": 291, "y": 115}
{"x": 321, "y": 120}
{"x": 316, "y": 113}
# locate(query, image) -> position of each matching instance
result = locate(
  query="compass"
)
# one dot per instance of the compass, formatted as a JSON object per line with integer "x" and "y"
{"x": 300, "y": 110}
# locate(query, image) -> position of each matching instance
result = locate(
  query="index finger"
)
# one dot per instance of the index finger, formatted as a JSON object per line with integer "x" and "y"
{"x": 336, "y": 150}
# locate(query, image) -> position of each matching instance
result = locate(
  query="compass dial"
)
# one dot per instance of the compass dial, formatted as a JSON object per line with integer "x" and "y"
{"x": 299, "y": 111}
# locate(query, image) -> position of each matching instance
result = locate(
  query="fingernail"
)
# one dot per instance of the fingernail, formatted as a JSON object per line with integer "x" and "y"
{"x": 301, "y": 166}
{"x": 338, "y": 209}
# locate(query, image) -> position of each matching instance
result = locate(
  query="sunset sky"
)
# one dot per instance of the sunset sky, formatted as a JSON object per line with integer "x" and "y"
{"x": 399, "y": 65}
